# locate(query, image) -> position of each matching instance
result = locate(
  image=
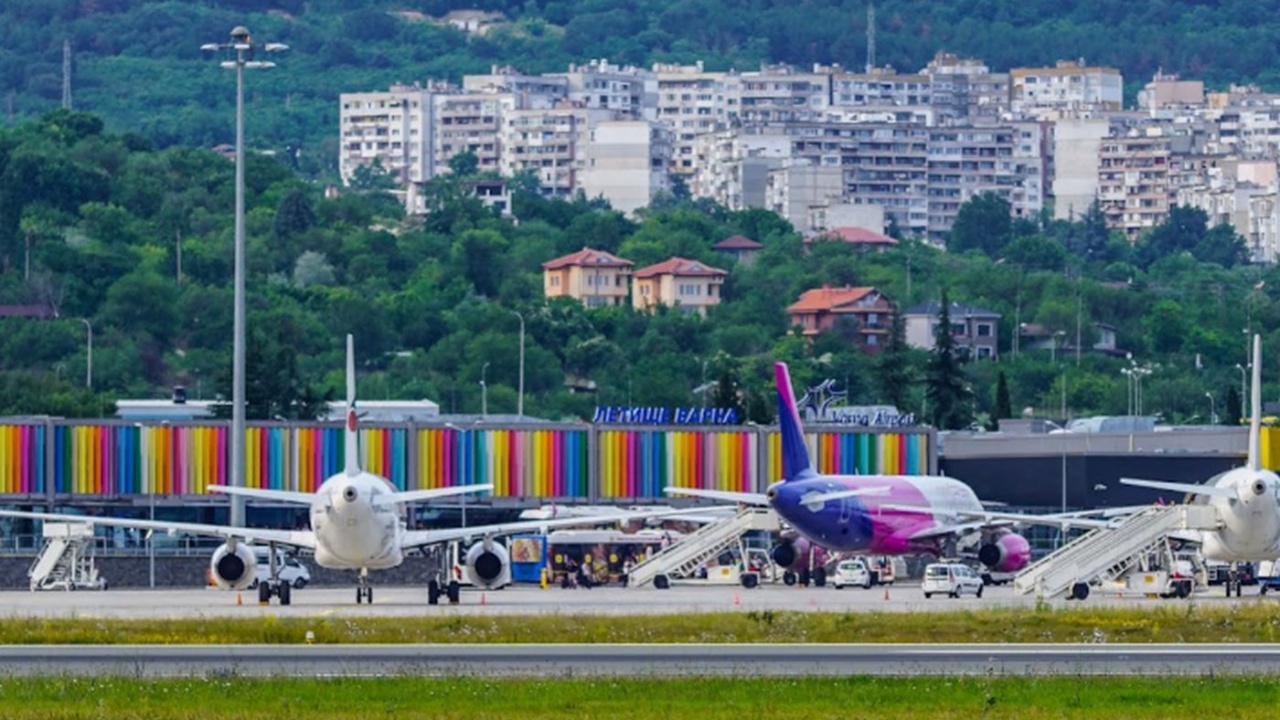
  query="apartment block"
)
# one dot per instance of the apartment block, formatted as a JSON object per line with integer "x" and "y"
{"x": 601, "y": 85}
{"x": 471, "y": 122}
{"x": 776, "y": 94}
{"x": 595, "y": 277}
{"x": 966, "y": 89}
{"x": 1076, "y": 146}
{"x": 392, "y": 127}
{"x": 1134, "y": 189}
{"x": 733, "y": 166}
{"x": 551, "y": 143}
{"x": 535, "y": 92}
{"x": 627, "y": 163}
{"x": 691, "y": 102}
{"x": 687, "y": 285}
{"x": 1069, "y": 85}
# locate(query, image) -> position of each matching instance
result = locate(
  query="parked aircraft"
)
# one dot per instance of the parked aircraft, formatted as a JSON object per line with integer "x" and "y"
{"x": 881, "y": 514}
{"x": 1246, "y": 499}
{"x": 357, "y": 523}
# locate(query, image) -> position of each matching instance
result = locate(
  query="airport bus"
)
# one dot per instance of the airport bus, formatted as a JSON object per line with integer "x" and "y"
{"x": 603, "y": 553}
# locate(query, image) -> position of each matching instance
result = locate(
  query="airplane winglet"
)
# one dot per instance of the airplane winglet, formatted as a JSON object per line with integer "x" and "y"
{"x": 1255, "y": 399}
{"x": 352, "y": 447}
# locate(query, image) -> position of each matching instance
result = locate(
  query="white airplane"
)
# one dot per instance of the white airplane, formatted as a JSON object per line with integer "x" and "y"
{"x": 1247, "y": 499}
{"x": 357, "y": 523}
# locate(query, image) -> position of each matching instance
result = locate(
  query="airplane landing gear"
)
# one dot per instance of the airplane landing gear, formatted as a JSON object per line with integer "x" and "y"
{"x": 433, "y": 591}
{"x": 455, "y": 592}
{"x": 364, "y": 591}
{"x": 273, "y": 585}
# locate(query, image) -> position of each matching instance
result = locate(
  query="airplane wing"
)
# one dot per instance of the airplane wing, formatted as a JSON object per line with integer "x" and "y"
{"x": 416, "y": 496}
{"x": 726, "y": 495}
{"x": 984, "y": 518}
{"x": 293, "y": 538}
{"x": 284, "y": 496}
{"x": 1187, "y": 488}
{"x": 420, "y": 538}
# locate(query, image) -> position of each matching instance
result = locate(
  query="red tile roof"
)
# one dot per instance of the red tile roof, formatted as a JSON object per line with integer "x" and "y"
{"x": 858, "y": 235}
{"x": 738, "y": 242}
{"x": 681, "y": 267}
{"x": 826, "y": 298}
{"x": 586, "y": 257}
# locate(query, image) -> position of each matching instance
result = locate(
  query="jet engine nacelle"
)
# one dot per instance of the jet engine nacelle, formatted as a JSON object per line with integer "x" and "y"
{"x": 488, "y": 565}
{"x": 1009, "y": 552}
{"x": 233, "y": 569}
{"x": 793, "y": 553}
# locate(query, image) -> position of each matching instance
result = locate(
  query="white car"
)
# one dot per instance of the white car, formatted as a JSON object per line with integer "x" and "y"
{"x": 291, "y": 571}
{"x": 952, "y": 579}
{"x": 852, "y": 572}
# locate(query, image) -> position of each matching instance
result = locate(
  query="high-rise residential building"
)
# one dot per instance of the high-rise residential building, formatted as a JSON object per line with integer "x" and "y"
{"x": 1069, "y": 85}
{"x": 1076, "y": 144}
{"x": 1134, "y": 189}
{"x": 627, "y": 163}
{"x": 393, "y": 128}
{"x": 551, "y": 143}
{"x": 534, "y": 92}
{"x": 602, "y": 85}
{"x": 733, "y": 166}
{"x": 776, "y": 94}
{"x": 966, "y": 89}
{"x": 691, "y": 102}
{"x": 470, "y": 122}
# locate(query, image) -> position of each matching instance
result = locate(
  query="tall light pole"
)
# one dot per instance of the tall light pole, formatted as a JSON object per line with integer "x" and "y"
{"x": 88, "y": 368}
{"x": 242, "y": 44}
{"x": 520, "y": 401}
{"x": 484, "y": 390}
{"x": 1213, "y": 413}
{"x": 1244, "y": 397}
{"x": 1057, "y": 338}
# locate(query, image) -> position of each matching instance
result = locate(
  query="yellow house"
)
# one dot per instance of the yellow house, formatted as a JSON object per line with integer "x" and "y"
{"x": 689, "y": 285}
{"x": 595, "y": 277}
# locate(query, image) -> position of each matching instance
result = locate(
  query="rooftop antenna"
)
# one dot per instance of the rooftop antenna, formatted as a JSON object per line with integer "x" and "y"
{"x": 66, "y": 74}
{"x": 871, "y": 38}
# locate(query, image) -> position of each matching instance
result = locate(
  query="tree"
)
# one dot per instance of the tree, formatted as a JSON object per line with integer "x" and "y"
{"x": 893, "y": 370}
{"x": 947, "y": 389}
{"x": 1232, "y": 413}
{"x": 464, "y": 164}
{"x": 1004, "y": 407}
{"x": 984, "y": 222}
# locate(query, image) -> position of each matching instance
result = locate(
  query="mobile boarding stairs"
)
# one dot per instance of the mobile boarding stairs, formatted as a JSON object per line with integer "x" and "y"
{"x": 66, "y": 562}
{"x": 1109, "y": 553}
{"x": 682, "y": 559}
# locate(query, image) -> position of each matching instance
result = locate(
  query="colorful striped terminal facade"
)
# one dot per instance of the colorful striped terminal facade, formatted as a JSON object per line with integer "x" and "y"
{"x": 538, "y": 461}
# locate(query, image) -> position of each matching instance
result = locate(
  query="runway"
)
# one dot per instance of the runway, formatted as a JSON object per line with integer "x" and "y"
{"x": 552, "y": 661}
{"x": 530, "y": 600}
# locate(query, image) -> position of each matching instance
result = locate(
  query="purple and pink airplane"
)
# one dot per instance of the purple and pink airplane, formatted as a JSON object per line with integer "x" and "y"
{"x": 882, "y": 514}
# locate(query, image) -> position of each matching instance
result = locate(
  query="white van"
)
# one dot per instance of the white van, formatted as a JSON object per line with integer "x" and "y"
{"x": 290, "y": 570}
{"x": 950, "y": 578}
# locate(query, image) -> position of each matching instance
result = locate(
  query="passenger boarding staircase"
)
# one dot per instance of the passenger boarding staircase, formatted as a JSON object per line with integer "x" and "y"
{"x": 66, "y": 562}
{"x": 683, "y": 558}
{"x": 1108, "y": 553}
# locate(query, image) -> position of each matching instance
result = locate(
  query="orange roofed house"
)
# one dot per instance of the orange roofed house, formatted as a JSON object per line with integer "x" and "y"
{"x": 595, "y": 277}
{"x": 688, "y": 285}
{"x": 863, "y": 312}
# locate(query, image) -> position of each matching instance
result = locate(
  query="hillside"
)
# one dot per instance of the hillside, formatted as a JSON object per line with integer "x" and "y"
{"x": 137, "y": 63}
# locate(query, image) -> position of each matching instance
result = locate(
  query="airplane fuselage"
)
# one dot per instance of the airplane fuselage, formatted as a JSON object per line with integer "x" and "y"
{"x": 862, "y": 523}
{"x": 1249, "y": 523}
{"x": 352, "y": 531}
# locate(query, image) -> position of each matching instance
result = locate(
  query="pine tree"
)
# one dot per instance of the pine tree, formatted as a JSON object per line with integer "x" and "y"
{"x": 893, "y": 368}
{"x": 1004, "y": 408}
{"x": 1232, "y": 413}
{"x": 947, "y": 389}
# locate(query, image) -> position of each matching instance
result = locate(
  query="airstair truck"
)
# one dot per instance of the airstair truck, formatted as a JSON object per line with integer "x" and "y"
{"x": 66, "y": 562}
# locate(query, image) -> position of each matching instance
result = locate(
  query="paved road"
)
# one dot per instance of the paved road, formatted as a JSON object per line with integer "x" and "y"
{"x": 526, "y": 600}
{"x": 638, "y": 660}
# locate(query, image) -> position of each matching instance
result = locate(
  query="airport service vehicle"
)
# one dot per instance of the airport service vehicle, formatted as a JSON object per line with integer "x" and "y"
{"x": 881, "y": 514}
{"x": 288, "y": 569}
{"x": 951, "y": 578}
{"x": 852, "y": 572}
{"x": 357, "y": 523}
{"x": 1246, "y": 500}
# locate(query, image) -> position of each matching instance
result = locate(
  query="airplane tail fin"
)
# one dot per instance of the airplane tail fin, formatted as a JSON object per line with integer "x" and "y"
{"x": 352, "y": 447}
{"x": 795, "y": 455}
{"x": 1255, "y": 401}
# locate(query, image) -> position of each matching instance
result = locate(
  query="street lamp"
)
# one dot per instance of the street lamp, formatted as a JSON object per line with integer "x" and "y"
{"x": 1213, "y": 414}
{"x": 520, "y": 402}
{"x": 88, "y": 369}
{"x": 484, "y": 390}
{"x": 242, "y": 44}
{"x": 1244, "y": 406}
{"x": 1057, "y": 337}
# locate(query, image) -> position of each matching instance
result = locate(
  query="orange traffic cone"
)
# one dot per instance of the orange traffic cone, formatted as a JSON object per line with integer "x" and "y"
{"x": 737, "y": 599}
{"x": 482, "y": 601}
{"x": 239, "y": 600}
{"x": 886, "y": 593}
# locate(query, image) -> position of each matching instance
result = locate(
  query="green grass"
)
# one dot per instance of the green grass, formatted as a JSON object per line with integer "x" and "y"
{"x": 704, "y": 699}
{"x": 1181, "y": 622}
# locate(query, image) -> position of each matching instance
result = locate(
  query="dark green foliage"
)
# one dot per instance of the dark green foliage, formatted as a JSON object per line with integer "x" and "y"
{"x": 947, "y": 390}
{"x": 1232, "y": 412}
{"x": 983, "y": 223}
{"x": 893, "y": 368}
{"x": 1004, "y": 408}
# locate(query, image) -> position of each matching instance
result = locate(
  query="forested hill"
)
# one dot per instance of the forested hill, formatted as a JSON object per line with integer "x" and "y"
{"x": 137, "y": 63}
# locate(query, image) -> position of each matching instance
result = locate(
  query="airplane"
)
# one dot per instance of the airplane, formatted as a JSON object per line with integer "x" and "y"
{"x": 357, "y": 523}
{"x": 1246, "y": 499}
{"x": 881, "y": 514}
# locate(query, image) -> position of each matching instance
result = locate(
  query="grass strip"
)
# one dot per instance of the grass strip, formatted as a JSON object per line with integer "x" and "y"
{"x": 619, "y": 699}
{"x": 1182, "y": 622}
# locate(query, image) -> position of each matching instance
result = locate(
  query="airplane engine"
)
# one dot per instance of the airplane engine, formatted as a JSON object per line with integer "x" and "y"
{"x": 233, "y": 569}
{"x": 488, "y": 565}
{"x": 793, "y": 553}
{"x": 1009, "y": 552}
{"x": 784, "y": 554}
